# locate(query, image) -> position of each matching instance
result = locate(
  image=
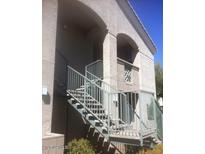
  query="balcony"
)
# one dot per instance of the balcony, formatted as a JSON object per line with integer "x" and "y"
{"x": 127, "y": 74}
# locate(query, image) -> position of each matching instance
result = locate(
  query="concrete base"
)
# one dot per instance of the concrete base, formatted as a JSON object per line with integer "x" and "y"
{"x": 53, "y": 144}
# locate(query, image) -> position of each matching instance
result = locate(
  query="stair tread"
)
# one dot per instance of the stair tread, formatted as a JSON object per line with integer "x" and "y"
{"x": 100, "y": 107}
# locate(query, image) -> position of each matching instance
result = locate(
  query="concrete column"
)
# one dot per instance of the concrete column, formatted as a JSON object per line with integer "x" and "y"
{"x": 110, "y": 60}
{"x": 110, "y": 71}
{"x": 48, "y": 59}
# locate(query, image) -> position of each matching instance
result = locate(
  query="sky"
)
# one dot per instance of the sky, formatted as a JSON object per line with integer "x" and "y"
{"x": 150, "y": 13}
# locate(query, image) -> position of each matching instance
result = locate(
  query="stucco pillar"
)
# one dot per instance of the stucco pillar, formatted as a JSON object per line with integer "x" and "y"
{"x": 48, "y": 59}
{"x": 110, "y": 60}
{"x": 110, "y": 71}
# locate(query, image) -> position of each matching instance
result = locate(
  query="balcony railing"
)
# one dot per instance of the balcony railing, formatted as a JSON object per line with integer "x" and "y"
{"x": 126, "y": 71}
{"x": 94, "y": 72}
{"x": 123, "y": 109}
{"x": 95, "y": 68}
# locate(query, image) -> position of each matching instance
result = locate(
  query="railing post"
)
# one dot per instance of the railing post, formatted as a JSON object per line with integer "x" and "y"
{"x": 108, "y": 114}
{"x": 84, "y": 89}
{"x": 140, "y": 114}
{"x": 155, "y": 117}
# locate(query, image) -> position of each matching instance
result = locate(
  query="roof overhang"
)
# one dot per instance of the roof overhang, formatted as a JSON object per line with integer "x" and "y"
{"x": 137, "y": 24}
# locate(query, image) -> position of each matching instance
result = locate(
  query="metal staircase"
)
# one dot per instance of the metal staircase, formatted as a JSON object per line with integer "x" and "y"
{"x": 106, "y": 110}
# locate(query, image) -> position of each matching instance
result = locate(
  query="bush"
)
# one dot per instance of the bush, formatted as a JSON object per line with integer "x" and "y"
{"x": 81, "y": 146}
{"x": 129, "y": 149}
{"x": 158, "y": 149}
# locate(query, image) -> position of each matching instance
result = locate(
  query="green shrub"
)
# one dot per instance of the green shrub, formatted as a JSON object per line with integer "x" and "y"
{"x": 158, "y": 149}
{"x": 81, "y": 146}
{"x": 129, "y": 149}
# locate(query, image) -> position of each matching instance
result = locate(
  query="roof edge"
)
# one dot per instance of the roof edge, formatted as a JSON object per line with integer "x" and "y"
{"x": 137, "y": 24}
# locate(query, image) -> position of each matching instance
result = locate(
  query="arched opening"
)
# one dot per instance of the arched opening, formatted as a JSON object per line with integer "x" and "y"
{"x": 126, "y": 48}
{"x": 79, "y": 41}
{"x": 80, "y": 34}
{"x": 128, "y": 75}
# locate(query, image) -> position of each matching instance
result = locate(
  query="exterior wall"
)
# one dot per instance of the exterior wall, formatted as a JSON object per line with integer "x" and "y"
{"x": 117, "y": 22}
{"x": 147, "y": 74}
{"x": 48, "y": 60}
{"x": 53, "y": 145}
{"x": 75, "y": 48}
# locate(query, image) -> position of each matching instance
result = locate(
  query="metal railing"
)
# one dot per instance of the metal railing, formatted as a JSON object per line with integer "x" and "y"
{"x": 126, "y": 63}
{"x": 159, "y": 120}
{"x": 120, "y": 105}
{"x": 124, "y": 107}
{"x": 95, "y": 68}
{"x": 102, "y": 96}
{"x": 115, "y": 103}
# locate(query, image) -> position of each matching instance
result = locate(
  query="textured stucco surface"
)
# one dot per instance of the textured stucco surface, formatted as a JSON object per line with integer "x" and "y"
{"x": 147, "y": 74}
{"x": 53, "y": 144}
{"x": 117, "y": 23}
{"x": 110, "y": 60}
{"x": 48, "y": 61}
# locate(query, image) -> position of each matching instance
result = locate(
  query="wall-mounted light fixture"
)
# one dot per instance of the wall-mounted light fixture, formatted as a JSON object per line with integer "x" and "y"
{"x": 44, "y": 91}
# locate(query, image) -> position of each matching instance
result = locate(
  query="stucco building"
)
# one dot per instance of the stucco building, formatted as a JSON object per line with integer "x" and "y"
{"x": 98, "y": 76}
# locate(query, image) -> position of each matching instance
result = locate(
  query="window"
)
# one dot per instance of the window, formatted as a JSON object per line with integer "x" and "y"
{"x": 132, "y": 99}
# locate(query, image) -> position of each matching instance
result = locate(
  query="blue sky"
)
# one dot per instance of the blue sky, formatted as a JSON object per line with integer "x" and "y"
{"x": 150, "y": 13}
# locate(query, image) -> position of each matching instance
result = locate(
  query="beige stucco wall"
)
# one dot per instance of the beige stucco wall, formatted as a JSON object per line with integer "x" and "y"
{"x": 53, "y": 145}
{"x": 75, "y": 47}
{"x": 117, "y": 22}
{"x": 147, "y": 74}
{"x": 48, "y": 58}
{"x": 110, "y": 60}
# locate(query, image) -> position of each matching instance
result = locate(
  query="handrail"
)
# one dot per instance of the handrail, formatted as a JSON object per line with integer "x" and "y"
{"x": 76, "y": 80}
{"x": 158, "y": 120}
{"x": 141, "y": 121}
{"x": 84, "y": 77}
{"x": 93, "y": 63}
{"x": 156, "y": 102}
{"x": 113, "y": 89}
{"x": 127, "y": 63}
{"x": 83, "y": 80}
{"x": 93, "y": 75}
{"x": 120, "y": 112}
{"x": 122, "y": 99}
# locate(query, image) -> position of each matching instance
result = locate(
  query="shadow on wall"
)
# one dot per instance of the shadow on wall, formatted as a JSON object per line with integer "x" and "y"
{"x": 66, "y": 120}
{"x": 46, "y": 99}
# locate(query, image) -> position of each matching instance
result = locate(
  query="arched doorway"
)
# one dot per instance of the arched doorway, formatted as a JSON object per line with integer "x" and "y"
{"x": 79, "y": 41}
